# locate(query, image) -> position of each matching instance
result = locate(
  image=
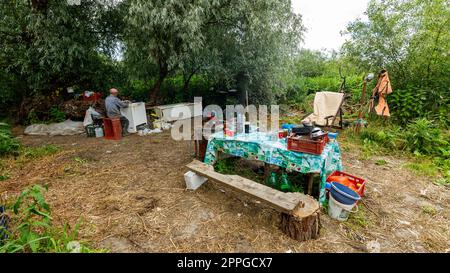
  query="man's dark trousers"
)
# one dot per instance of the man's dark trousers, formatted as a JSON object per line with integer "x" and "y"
{"x": 125, "y": 123}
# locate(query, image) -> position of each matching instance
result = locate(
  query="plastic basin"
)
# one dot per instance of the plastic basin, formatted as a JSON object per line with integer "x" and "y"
{"x": 343, "y": 194}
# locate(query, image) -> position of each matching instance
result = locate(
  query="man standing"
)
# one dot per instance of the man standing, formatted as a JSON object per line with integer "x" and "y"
{"x": 113, "y": 105}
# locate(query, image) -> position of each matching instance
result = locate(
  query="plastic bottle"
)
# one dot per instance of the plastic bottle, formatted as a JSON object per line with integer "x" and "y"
{"x": 285, "y": 185}
{"x": 240, "y": 123}
{"x": 98, "y": 132}
{"x": 272, "y": 181}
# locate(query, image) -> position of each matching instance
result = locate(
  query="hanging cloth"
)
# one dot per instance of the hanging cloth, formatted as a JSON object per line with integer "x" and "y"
{"x": 383, "y": 88}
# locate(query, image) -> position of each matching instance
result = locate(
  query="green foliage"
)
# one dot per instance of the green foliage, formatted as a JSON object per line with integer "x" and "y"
{"x": 423, "y": 167}
{"x": 381, "y": 162}
{"x": 409, "y": 39}
{"x": 4, "y": 177}
{"x": 407, "y": 105}
{"x": 420, "y": 136}
{"x": 358, "y": 220}
{"x": 225, "y": 166}
{"x": 317, "y": 71}
{"x": 53, "y": 115}
{"x": 80, "y": 160}
{"x": 388, "y": 138}
{"x": 245, "y": 44}
{"x": 54, "y": 45}
{"x": 56, "y": 115}
{"x": 8, "y": 143}
{"x": 423, "y": 137}
{"x": 30, "y": 227}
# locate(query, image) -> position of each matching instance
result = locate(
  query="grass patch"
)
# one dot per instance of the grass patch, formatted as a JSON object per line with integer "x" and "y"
{"x": 358, "y": 220}
{"x": 4, "y": 177}
{"x": 80, "y": 160}
{"x": 425, "y": 146}
{"x": 369, "y": 149}
{"x": 429, "y": 210}
{"x": 423, "y": 168}
{"x": 38, "y": 152}
{"x": 381, "y": 162}
{"x": 443, "y": 182}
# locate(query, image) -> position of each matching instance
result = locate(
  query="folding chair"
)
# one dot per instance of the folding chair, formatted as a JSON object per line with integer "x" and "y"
{"x": 327, "y": 106}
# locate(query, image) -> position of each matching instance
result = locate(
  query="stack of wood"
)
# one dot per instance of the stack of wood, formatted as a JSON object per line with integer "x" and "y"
{"x": 76, "y": 109}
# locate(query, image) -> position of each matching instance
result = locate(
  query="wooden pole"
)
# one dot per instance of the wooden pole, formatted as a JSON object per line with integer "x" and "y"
{"x": 361, "y": 102}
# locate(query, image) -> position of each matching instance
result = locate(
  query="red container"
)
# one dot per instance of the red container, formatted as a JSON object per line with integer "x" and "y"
{"x": 352, "y": 179}
{"x": 229, "y": 133}
{"x": 282, "y": 134}
{"x": 307, "y": 145}
{"x": 112, "y": 128}
{"x": 94, "y": 97}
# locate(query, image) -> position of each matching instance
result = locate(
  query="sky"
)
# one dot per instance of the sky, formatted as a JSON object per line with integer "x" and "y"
{"x": 325, "y": 19}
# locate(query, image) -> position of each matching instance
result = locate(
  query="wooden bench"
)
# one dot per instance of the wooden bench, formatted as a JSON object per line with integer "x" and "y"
{"x": 299, "y": 212}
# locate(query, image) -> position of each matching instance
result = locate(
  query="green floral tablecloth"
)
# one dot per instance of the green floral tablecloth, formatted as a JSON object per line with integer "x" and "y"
{"x": 266, "y": 147}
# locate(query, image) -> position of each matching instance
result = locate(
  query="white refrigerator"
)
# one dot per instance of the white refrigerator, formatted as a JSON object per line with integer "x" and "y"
{"x": 136, "y": 114}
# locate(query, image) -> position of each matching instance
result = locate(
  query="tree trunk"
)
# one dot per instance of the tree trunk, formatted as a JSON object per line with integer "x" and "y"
{"x": 40, "y": 5}
{"x": 186, "y": 86}
{"x": 187, "y": 81}
{"x": 155, "y": 91}
{"x": 301, "y": 229}
{"x": 163, "y": 72}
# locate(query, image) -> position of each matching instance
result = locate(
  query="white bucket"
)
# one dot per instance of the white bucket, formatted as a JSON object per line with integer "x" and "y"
{"x": 98, "y": 132}
{"x": 193, "y": 181}
{"x": 338, "y": 210}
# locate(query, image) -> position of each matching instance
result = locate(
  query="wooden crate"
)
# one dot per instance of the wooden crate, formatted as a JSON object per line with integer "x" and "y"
{"x": 306, "y": 145}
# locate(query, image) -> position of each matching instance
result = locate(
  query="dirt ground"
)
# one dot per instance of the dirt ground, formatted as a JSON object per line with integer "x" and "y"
{"x": 131, "y": 197}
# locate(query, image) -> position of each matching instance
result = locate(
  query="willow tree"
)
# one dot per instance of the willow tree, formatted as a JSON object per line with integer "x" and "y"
{"x": 164, "y": 32}
{"x": 224, "y": 39}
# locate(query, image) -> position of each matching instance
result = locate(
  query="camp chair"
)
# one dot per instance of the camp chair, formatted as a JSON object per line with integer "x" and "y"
{"x": 327, "y": 106}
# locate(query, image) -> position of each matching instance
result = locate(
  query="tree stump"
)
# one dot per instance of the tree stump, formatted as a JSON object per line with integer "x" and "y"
{"x": 301, "y": 229}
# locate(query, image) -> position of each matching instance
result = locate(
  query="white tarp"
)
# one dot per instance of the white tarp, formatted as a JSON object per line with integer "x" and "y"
{"x": 66, "y": 128}
{"x": 88, "y": 116}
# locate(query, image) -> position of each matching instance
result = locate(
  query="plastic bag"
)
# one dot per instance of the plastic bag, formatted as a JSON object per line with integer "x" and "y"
{"x": 88, "y": 116}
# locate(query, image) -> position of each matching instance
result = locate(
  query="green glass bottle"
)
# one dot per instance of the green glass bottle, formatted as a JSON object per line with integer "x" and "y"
{"x": 285, "y": 185}
{"x": 272, "y": 181}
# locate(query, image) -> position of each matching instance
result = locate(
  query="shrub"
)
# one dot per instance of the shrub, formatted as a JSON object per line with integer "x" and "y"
{"x": 8, "y": 144}
{"x": 29, "y": 227}
{"x": 387, "y": 137}
{"x": 407, "y": 105}
{"x": 56, "y": 115}
{"x": 423, "y": 137}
